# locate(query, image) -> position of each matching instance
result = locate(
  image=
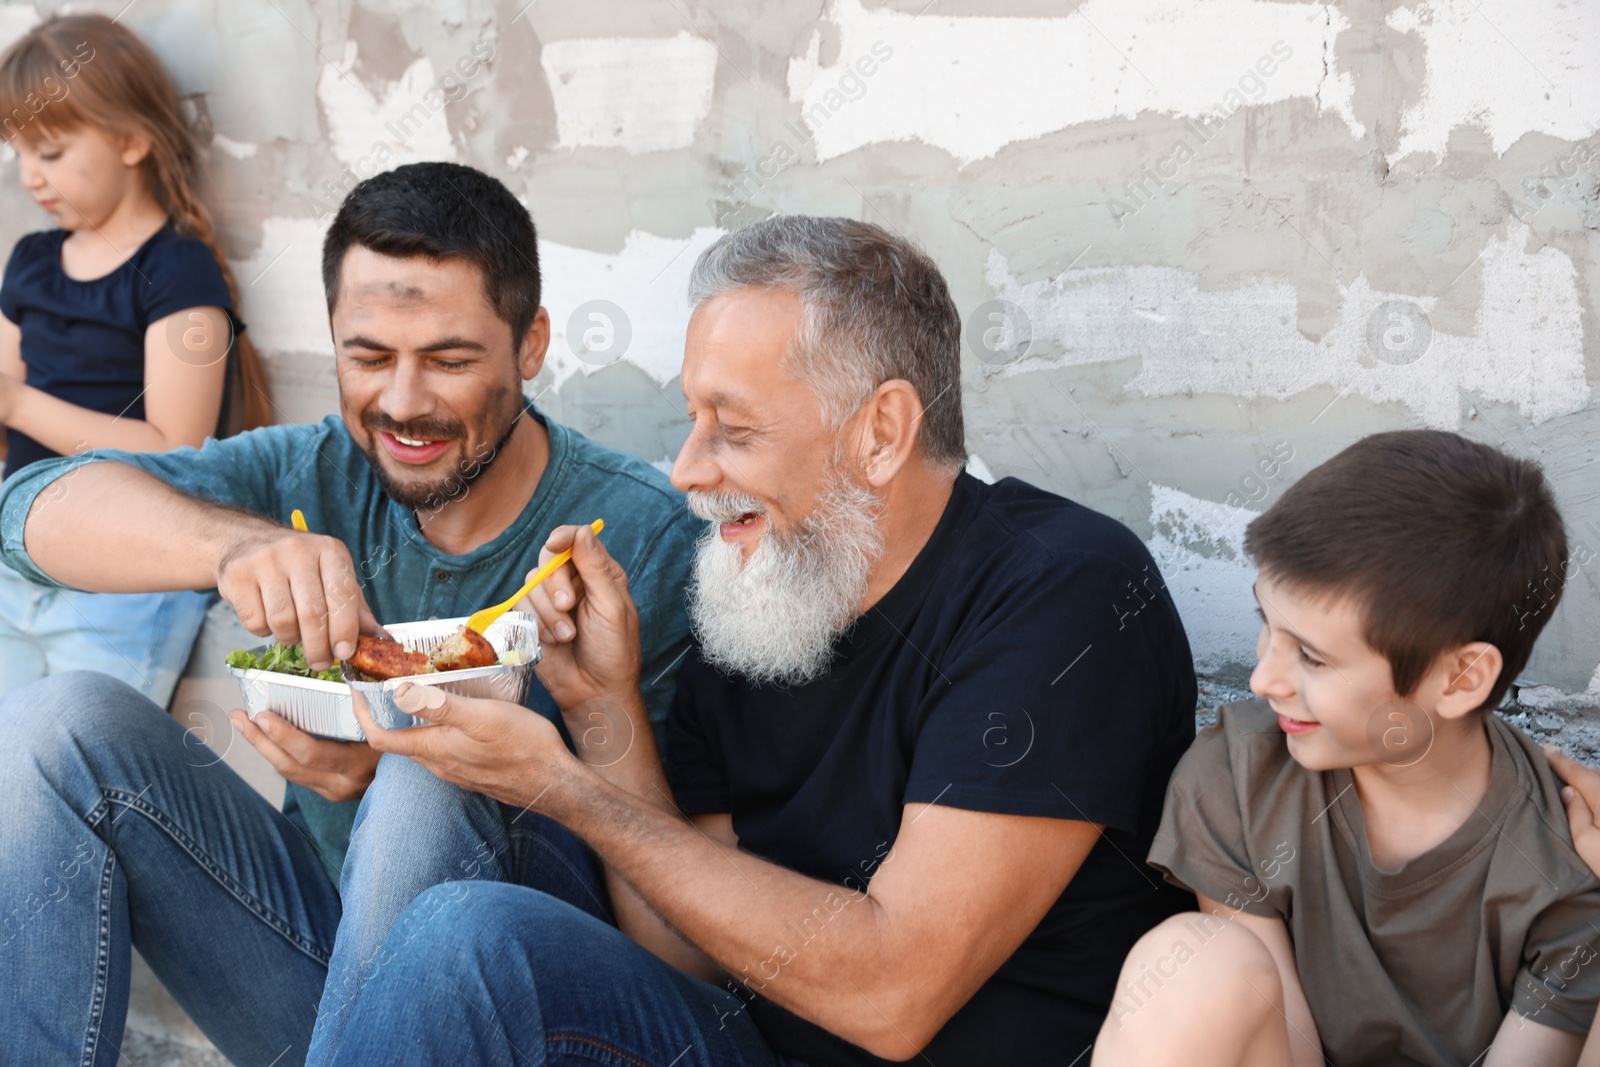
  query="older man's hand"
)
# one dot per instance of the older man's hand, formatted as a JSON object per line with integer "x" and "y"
{"x": 493, "y": 747}
{"x": 588, "y": 624}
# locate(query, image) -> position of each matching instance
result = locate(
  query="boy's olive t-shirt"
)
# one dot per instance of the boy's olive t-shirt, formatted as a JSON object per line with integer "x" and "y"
{"x": 1413, "y": 966}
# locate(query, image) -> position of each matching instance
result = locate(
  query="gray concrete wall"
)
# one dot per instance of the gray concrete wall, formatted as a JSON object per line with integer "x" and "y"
{"x": 1200, "y": 246}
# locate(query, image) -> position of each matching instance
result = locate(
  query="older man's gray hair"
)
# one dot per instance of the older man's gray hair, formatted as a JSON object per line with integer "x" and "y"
{"x": 875, "y": 308}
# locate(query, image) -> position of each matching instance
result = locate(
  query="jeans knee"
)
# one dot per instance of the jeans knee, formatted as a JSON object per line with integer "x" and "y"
{"x": 446, "y": 922}
{"x": 404, "y": 790}
{"x": 409, "y": 811}
{"x": 461, "y": 916}
{"x": 71, "y": 704}
{"x": 406, "y": 778}
{"x": 467, "y": 908}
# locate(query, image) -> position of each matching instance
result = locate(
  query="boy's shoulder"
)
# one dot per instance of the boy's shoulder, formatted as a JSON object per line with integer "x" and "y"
{"x": 1539, "y": 783}
{"x": 1240, "y": 775}
{"x": 1535, "y": 817}
{"x": 1245, "y": 744}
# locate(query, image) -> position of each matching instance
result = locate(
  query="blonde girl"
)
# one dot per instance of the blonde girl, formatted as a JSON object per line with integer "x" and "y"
{"x": 118, "y": 327}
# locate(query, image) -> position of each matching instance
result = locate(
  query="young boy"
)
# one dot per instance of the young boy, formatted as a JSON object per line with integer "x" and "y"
{"x": 1384, "y": 867}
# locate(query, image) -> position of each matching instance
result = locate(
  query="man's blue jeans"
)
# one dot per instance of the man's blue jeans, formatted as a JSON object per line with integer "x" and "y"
{"x": 504, "y": 975}
{"x": 414, "y": 831}
{"x": 498, "y": 919}
{"x": 118, "y": 826}
{"x": 121, "y": 827}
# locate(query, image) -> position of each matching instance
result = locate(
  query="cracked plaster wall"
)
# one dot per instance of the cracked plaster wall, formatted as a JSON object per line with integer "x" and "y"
{"x": 1199, "y": 247}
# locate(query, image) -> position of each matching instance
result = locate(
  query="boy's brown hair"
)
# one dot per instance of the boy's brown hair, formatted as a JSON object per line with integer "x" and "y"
{"x": 1438, "y": 540}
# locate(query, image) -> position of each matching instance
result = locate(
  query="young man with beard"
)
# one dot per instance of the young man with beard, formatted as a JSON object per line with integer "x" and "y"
{"x": 428, "y": 498}
{"x": 913, "y": 767}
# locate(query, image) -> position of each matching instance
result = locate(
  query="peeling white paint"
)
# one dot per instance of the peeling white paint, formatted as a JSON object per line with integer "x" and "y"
{"x": 1198, "y": 546}
{"x": 280, "y": 288}
{"x": 972, "y": 85}
{"x": 642, "y": 94}
{"x": 377, "y": 131}
{"x": 236, "y": 149}
{"x": 1510, "y": 66}
{"x": 1526, "y": 347}
{"x": 645, "y": 283}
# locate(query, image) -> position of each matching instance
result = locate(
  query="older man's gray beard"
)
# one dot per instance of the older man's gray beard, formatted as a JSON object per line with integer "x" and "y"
{"x": 776, "y": 617}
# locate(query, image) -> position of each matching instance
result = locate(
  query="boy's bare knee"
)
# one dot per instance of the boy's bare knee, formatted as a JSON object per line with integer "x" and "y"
{"x": 1194, "y": 976}
{"x": 1241, "y": 964}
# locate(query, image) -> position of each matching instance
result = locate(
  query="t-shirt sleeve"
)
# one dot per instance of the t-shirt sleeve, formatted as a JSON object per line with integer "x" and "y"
{"x": 183, "y": 275}
{"x": 1200, "y": 845}
{"x": 1558, "y": 984}
{"x": 20, "y": 252}
{"x": 695, "y": 769}
{"x": 1054, "y": 703}
{"x": 243, "y": 471}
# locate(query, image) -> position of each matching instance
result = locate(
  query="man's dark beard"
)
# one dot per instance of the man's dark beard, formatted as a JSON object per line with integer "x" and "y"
{"x": 452, "y": 486}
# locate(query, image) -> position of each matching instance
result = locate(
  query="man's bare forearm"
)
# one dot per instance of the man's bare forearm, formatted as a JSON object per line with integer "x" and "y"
{"x": 616, "y": 741}
{"x": 111, "y": 528}
{"x": 817, "y": 948}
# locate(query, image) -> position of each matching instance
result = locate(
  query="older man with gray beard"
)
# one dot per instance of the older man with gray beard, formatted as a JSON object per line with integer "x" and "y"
{"x": 913, "y": 766}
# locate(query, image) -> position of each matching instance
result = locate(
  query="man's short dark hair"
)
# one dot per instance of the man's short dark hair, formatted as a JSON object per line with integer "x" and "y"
{"x": 1438, "y": 540}
{"x": 443, "y": 211}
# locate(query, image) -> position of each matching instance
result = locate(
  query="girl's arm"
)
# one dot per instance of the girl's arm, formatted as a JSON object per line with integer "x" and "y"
{"x": 10, "y": 362}
{"x": 11, "y": 350}
{"x": 185, "y": 360}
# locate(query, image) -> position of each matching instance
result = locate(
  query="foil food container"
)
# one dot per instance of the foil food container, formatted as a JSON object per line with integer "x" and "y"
{"x": 325, "y": 708}
{"x": 514, "y": 631}
{"x": 315, "y": 706}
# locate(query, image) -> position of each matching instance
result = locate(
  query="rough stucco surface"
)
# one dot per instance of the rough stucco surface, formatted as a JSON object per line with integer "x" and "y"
{"x": 1200, "y": 247}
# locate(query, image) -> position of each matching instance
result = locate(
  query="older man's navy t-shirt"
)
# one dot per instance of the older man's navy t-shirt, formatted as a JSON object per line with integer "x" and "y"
{"x": 1029, "y": 662}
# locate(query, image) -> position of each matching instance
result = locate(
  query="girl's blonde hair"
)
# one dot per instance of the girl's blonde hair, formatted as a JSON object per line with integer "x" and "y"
{"x": 86, "y": 70}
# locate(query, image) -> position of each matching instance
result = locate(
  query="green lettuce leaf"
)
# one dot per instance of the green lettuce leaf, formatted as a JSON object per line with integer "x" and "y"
{"x": 281, "y": 659}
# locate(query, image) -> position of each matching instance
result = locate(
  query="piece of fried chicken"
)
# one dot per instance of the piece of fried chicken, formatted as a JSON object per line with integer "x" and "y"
{"x": 464, "y": 649}
{"x": 381, "y": 659}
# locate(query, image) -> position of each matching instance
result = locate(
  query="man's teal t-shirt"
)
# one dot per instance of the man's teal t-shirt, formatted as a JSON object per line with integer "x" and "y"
{"x": 318, "y": 469}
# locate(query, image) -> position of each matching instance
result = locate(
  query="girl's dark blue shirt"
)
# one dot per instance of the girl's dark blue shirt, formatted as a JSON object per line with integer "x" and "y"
{"x": 83, "y": 341}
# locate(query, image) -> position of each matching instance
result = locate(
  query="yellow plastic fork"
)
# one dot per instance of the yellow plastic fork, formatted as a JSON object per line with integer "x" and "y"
{"x": 482, "y": 619}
